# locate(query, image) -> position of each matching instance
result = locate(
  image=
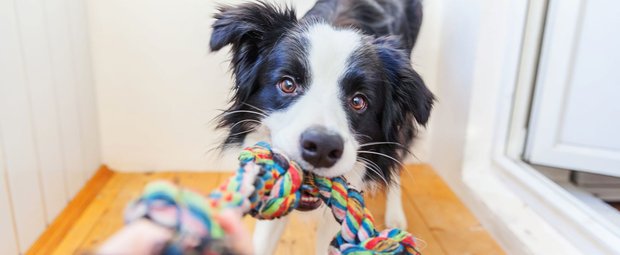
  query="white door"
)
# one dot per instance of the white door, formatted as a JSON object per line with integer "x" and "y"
{"x": 575, "y": 121}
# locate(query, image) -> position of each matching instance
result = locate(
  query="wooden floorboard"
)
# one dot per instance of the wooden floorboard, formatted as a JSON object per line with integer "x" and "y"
{"x": 417, "y": 226}
{"x": 91, "y": 217}
{"x": 452, "y": 225}
{"x": 63, "y": 224}
{"x": 436, "y": 217}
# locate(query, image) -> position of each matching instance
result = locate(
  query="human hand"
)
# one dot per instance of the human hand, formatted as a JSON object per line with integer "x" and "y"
{"x": 144, "y": 237}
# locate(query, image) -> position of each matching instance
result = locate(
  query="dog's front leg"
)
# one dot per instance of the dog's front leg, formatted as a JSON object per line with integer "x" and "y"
{"x": 267, "y": 234}
{"x": 326, "y": 230}
{"x": 394, "y": 213}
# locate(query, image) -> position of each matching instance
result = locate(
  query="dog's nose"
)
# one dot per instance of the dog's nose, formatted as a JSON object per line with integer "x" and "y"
{"x": 321, "y": 147}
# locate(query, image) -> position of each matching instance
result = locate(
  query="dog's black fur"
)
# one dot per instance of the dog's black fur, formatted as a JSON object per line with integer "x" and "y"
{"x": 267, "y": 41}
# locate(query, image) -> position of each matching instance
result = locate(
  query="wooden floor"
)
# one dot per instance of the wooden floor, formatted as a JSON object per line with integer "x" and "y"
{"x": 435, "y": 215}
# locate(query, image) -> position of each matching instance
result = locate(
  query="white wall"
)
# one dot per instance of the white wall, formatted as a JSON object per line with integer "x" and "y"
{"x": 425, "y": 60}
{"x": 49, "y": 143}
{"x": 158, "y": 86}
{"x": 458, "y": 43}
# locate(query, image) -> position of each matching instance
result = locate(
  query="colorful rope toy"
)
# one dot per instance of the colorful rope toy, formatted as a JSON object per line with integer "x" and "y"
{"x": 267, "y": 186}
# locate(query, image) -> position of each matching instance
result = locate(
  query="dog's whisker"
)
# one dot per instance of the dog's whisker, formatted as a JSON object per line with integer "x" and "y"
{"x": 244, "y": 121}
{"x": 226, "y": 113}
{"x": 376, "y": 170}
{"x": 220, "y": 146}
{"x": 370, "y": 162}
{"x": 357, "y": 135}
{"x": 405, "y": 148}
{"x": 383, "y": 155}
{"x": 244, "y": 132}
{"x": 404, "y": 169}
{"x": 358, "y": 175}
{"x": 387, "y": 143}
{"x": 228, "y": 145}
{"x": 379, "y": 143}
{"x": 216, "y": 147}
{"x": 255, "y": 108}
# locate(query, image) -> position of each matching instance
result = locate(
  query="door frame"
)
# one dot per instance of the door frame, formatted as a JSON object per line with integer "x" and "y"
{"x": 493, "y": 180}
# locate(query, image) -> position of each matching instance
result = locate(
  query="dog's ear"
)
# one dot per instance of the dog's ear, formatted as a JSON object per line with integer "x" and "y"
{"x": 252, "y": 29}
{"x": 249, "y": 24}
{"x": 411, "y": 99}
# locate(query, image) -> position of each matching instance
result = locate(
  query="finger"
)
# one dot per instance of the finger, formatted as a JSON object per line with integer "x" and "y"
{"x": 237, "y": 235}
{"x": 140, "y": 237}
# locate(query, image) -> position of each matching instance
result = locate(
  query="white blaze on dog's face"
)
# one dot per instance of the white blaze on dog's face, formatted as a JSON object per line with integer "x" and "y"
{"x": 321, "y": 106}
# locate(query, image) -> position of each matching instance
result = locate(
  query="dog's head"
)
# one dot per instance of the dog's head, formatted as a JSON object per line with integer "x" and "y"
{"x": 328, "y": 97}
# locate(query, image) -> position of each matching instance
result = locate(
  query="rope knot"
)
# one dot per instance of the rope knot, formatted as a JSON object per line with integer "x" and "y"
{"x": 278, "y": 184}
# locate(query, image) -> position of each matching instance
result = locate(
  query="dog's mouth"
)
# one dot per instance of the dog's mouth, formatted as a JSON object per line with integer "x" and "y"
{"x": 309, "y": 194}
{"x": 308, "y": 202}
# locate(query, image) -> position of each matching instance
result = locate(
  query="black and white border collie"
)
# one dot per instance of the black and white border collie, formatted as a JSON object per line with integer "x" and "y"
{"x": 334, "y": 90}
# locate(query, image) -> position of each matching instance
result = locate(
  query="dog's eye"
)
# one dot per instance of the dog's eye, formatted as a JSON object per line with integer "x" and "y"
{"x": 359, "y": 102}
{"x": 287, "y": 85}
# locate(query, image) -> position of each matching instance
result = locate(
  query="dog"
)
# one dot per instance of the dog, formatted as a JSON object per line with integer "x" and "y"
{"x": 334, "y": 90}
